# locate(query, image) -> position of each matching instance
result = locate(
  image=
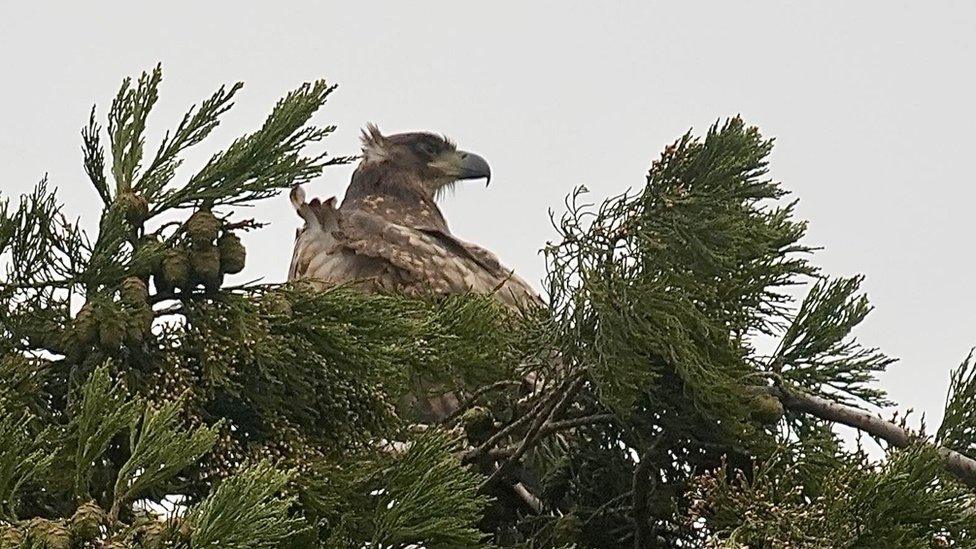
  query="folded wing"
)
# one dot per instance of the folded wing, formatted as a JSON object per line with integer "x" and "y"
{"x": 364, "y": 248}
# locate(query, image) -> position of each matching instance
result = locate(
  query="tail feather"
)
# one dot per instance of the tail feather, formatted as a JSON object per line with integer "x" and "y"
{"x": 316, "y": 213}
{"x": 321, "y": 219}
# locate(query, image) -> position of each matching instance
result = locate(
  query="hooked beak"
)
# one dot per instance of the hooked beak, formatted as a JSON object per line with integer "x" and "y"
{"x": 472, "y": 166}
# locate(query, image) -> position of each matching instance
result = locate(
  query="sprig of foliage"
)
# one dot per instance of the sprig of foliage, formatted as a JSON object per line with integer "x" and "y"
{"x": 160, "y": 448}
{"x": 104, "y": 411}
{"x": 195, "y": 126}
{"x": 24, "y": 455}
{"x": 428, "y": 498}
{"x": 41, "y": 246}
{"x": 423, "y": 497}
{"x": 260, "y": 164}
{"x": 246, "y": 510}
{"x": 25, "y": 386}
{"x": 110, "y": 253}
{"x": 93, "y": 158}
{"x": 671, "y": 279}
{"x": 818, "y": 353}
{"x": 907, "y": 501}
{"x": 127, "y": 124}
{"x": 958, "y": 428}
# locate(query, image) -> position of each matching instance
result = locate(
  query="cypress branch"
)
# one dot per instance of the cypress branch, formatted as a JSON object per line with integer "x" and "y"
{"x": 259, "y": 165}
{"x": 103, "y": 412}
{"x": 159, "y": 449}
{"x": 964, "y": 467}
{"x": 817, "y": 352}
{"x": 24, "y": 457}
{"x": 958, "y": 428}
{"x": 94, "y": 158}
{"x": 246, "y": 510}
{"x": 195, "y": 126}
{"x": 427, "y": 498}
{"x": 127, "y": 124}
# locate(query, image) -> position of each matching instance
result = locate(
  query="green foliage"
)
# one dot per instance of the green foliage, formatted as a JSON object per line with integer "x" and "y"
{"x": 110, "y": 252}
{"x": 670, "y": 279}
{"x": 657, "y": 293}
{"x": 817, "y": 351}
{"x": 93, "y": 158}
{"x": 429, "y": 498}
{"x": 258, "y": 165}
{"x": 195, "y": 126}
{"x": 245, "y": 510}
{"x": 24, "y": 456}
{"x": 25, "y": 386}
{"x": 906, "y": 501}
{"x": 159, "y": 449}
{"x": 103, "y": 412}
{"x": 40, "y": 244}
{"x": 127, "y": 124}
{"x": 351, "y": 358}
{"x": 423, "y": 497}
{"x": 635, "y": 407}
{"x": 958, "y": 429}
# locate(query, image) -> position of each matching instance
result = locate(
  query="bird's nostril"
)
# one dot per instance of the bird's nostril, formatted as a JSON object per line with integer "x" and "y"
{"x": 464, "y": 155}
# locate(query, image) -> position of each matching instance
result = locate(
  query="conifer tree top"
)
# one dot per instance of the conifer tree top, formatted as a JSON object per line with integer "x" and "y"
{"x": 133, "y": 376}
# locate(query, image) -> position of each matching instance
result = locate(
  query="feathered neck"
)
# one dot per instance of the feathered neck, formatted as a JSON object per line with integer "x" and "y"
{"x": 394, "y": 195}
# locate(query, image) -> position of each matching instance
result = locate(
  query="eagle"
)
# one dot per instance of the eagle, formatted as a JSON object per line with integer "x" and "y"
{"x": 389, "y": 234}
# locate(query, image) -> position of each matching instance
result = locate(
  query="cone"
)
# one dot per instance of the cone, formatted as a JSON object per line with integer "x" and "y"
{"x": 477, "y": 422}
{"x": 202, "y": 228}
{"x": 135, "y": 206}
{"x": 138, "y": 323}
{"x": 50, "y": 534}
{"x": 766, "y": 409}
{"x": 174, "y": 270}
{"x": 85, "y": 327}
{"x": 47, "y": 336}
{"x": 11, "y": 537}
{"x": 134, "y": 292}
{"x": 205, "y": 263}
{"x": 86, "y": 522}
{"x": 232, "y": 253}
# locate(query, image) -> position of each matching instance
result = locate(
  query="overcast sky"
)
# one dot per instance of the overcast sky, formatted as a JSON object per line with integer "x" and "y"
{"x": 872, "y": 105}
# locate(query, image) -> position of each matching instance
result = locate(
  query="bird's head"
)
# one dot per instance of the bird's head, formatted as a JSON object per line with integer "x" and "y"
{"x": 425, "y": 159}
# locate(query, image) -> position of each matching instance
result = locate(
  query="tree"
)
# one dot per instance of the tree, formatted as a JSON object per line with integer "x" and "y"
{"x": 145, "y": 403}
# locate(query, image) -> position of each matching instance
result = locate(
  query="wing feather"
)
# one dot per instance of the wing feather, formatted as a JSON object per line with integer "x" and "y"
{"x": 362, "y": 246}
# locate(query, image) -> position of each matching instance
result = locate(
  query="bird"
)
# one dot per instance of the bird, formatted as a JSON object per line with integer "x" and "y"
{"x": 390, "y": 235}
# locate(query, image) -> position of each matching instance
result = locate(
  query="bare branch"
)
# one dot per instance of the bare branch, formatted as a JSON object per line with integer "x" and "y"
{"x": 555, "y": 427}
{"x": 540, "y": 406}
{"x": 478, "y": 394}
{"x": 962, "y": 466}
{"x": 533, "y": 435}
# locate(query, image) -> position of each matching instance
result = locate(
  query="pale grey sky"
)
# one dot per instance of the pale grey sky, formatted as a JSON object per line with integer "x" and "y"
{"x": 872, "y": 105}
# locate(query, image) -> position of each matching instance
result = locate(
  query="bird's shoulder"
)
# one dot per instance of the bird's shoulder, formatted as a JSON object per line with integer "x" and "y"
{"x": 376, "y": 223}
{"x": 402, "y": 245}
{"x": 433, "y": 258}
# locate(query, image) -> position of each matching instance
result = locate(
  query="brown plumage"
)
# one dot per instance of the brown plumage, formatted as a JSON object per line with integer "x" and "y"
{"x": 390, "y": 235}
